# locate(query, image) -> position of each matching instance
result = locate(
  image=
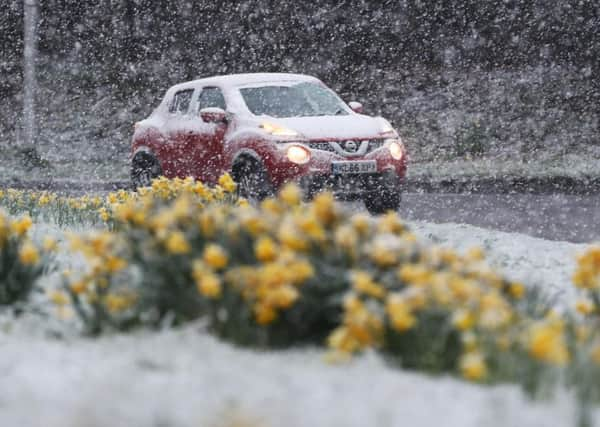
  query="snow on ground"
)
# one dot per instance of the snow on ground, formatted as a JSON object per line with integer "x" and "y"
{"x": 187, "y": 378}
{"x": 49, "y": 376}
{"x": 546, "y": 264}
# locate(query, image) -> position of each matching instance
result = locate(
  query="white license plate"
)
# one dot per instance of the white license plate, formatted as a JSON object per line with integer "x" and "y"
{"x": 362, "y": 166}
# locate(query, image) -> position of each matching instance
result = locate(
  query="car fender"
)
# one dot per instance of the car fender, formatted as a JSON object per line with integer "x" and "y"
{"x": 148, "y": 137}
{"x": 245, "y": 152}
{"x": 142, "y": 149}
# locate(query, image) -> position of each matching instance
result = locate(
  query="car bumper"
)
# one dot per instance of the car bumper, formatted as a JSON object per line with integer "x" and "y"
{"x": 351, "y": 186}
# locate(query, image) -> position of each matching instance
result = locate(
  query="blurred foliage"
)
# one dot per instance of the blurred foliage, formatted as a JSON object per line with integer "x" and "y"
{"x": 21, "y": 262}
{"x": 59, "y": 209}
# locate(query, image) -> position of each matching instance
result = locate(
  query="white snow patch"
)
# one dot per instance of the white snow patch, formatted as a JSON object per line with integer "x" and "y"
{"x": 187, "y": 378}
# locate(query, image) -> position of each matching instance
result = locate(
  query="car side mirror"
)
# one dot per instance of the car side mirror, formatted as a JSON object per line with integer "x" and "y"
{"x": 357, "y": 107}
{"x": 213, "y": 115}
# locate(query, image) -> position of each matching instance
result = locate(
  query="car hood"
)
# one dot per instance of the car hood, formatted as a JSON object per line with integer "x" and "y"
{"x": 335, "y": 127}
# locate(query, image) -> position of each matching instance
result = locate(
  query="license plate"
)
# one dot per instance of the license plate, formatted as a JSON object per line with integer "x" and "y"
{"x": 363, "y": 166}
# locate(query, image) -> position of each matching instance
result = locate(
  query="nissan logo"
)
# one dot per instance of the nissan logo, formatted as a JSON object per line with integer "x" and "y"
{"x": 350, "y": 146}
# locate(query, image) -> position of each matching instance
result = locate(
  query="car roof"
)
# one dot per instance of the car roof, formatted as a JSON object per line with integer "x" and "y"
{"x": 243, "y": 79}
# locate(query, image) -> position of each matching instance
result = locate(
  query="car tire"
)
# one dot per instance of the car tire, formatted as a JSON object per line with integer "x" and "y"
{"x": 144, "y": 168}
{"x": 379, "y": 203}
{"x": 252, "y": 180}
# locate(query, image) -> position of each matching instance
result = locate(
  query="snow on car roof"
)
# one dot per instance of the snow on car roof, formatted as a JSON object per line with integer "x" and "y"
{"x": 244, "y": 79}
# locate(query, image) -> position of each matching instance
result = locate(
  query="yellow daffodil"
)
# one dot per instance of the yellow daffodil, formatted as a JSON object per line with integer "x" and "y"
{"x": 363, "y": 283}
{"x": 264, "y": 314}
{"x": 382, "y": 255}
{"x": 21, "y": 225}
{"x": 361, "y": 223}
{"x": 587, "y": 275}
{"x": 299, "y": 271}
{"x": 517, "y": 290}
{"x": 290, "y": 194}
{"x": 49, "y": 244}
{"x": 227, "y": 183}
{"x": 177, "y": 244}
{"x": 324, "y": 208}
{"x": 265, "y": 249}
{"x": 28, "y": 254}
{"x": 584, "y": 306}
{"x": 291, "y": 237}
{"x": 78, "y": 287}
{"x": 346, "y": 237}
{"x": 463, "y": 319}
{"x": 114, "y": 263}
{"x": 309, "y": 225}
{"x": 116, "y": 303}
{"x": 209, "y": 285}
{"x": 215, "y": 256}
{"x": 401, "y": 317}
{"x": 208, "y": 224}
{"x": 391, "y": 223}
{"x": 341, "y": 340}
{"x": 252, "y": 222}
{"x": 59, "y": 298}
{"x": 282, "y": 296}
{"x": 473, "y": 366}
{"x": 546, "y": 342}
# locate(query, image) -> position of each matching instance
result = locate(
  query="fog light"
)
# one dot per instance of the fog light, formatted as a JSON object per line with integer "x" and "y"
{"x": 297, "y": 154}
{"x": 396, "y": 150}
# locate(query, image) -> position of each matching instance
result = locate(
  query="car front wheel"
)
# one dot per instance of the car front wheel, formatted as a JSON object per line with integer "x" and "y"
{"x": 380, "y": 202}
{"x": 252, "y": 179}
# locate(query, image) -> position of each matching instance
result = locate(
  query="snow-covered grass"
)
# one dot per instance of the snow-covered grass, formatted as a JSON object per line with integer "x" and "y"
{"x": 576, "y": 165}
{"x": 184, "y": 377}
{"x": 546, "y": 264}
{"x": 187, "y": 378}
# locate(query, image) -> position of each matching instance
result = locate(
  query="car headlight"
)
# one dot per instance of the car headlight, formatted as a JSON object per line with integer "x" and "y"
{"x": 277, "y": 130}
{"x": 297, "y": 154}
{"x": 396, "y": 150}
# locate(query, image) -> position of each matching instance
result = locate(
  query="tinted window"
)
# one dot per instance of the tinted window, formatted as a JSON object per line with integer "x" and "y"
{"x": 211, "y": 97}
{"x": 181, "y": 101}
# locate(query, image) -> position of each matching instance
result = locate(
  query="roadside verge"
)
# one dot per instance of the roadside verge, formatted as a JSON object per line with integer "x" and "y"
{"x": 487, "y": 185}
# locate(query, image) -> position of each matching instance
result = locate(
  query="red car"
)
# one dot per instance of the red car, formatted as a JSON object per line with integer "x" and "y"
{"x": 266, "y": 130}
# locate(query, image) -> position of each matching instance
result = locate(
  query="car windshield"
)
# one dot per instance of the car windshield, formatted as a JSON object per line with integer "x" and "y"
{"x": 299, "y": 100}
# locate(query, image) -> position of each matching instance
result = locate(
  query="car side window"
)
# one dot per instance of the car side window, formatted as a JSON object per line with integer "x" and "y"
{"x": 181, "y": 102}
{"x": 211, "y": 97}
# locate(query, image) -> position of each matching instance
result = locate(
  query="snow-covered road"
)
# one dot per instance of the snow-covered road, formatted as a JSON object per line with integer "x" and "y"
{"x": 186, "y": 378}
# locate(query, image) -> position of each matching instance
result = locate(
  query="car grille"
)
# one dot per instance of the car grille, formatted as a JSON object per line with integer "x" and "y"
{"x": 321, "y": 145}
{"x": 374, "y": 144}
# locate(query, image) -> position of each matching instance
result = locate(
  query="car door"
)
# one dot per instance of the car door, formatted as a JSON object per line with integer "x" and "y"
{"x": 178, "y": 132}
{"x": 207, "y": 140}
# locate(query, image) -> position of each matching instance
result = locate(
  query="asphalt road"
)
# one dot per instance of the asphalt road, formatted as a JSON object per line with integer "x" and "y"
{"x": 570, "y": 218}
